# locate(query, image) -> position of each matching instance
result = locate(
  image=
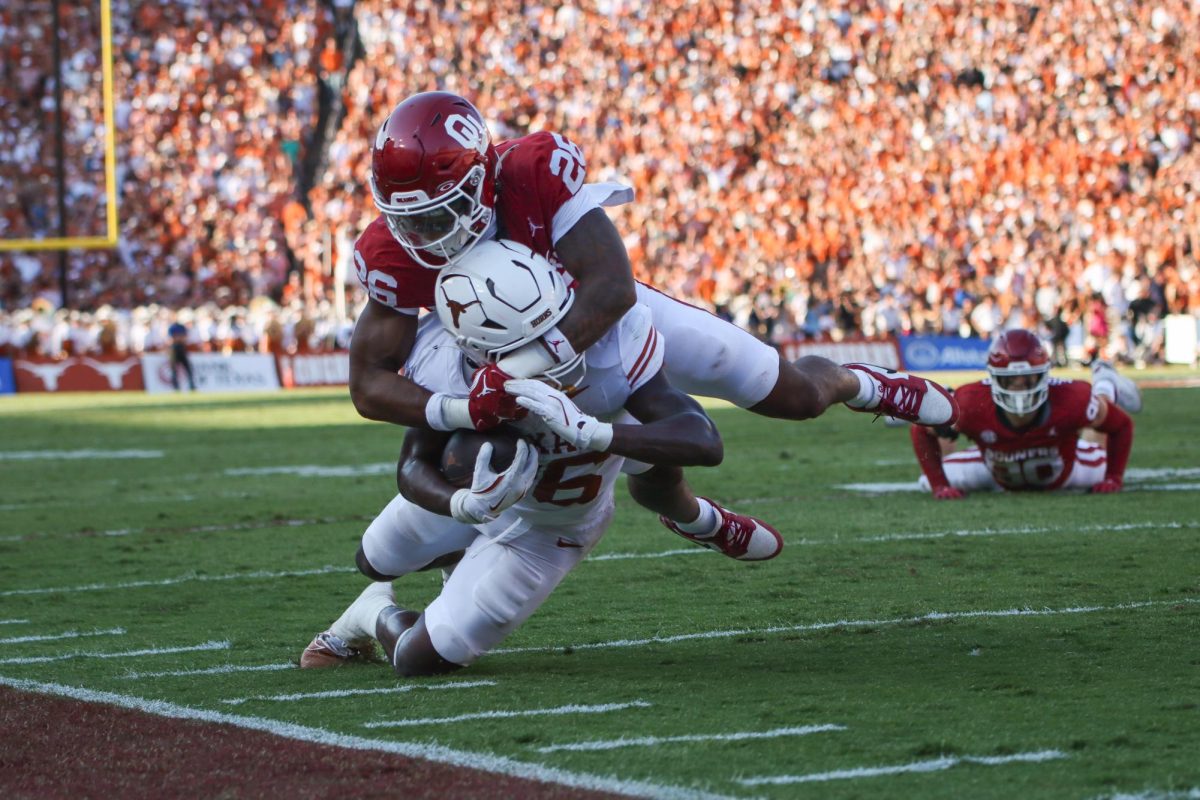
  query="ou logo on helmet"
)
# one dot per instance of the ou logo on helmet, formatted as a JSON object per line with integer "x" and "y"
{"x": 467, "y": 131}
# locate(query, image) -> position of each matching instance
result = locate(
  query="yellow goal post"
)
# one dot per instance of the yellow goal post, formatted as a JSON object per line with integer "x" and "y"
{"x": 109, "y": 239}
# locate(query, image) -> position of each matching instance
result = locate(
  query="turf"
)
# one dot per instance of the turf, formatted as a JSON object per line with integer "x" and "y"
{"x": 915, "y": 630}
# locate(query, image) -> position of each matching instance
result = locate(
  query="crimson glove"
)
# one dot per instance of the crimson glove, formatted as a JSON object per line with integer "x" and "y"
{"x": 488, "y": 404}
{"x": 948, "y": 493}
{"x": 1107, "y": 486}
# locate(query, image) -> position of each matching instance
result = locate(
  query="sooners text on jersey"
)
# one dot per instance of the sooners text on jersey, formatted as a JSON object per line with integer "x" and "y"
{"x": 1038, "y": 457}
{"x": 538, "y": 174}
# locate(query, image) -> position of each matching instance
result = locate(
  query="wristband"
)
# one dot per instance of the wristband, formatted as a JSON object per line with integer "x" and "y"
{"x": 602, "y": 438}
{"x": 457, "y": 501}
{"x": 446, "y": 413}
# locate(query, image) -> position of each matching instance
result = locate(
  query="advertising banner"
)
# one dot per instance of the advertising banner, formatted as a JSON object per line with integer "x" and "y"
{"x": 78, "y": 374}
{"x": 213, "y": 372}
{"x": 932, "y": 353}
{"x": 882, "y": 353}
{"x": 7, "y": 384}
{"x": 1180, "y": 341}
{"x": 314, "y": 369}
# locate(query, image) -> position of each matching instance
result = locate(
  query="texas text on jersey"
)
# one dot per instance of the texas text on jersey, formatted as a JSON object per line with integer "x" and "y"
{"x": 1039, "y": 456}
{"x": 538, "y": 199}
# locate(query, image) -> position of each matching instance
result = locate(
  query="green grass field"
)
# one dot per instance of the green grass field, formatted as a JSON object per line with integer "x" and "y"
{"x": 1003, "y": 646}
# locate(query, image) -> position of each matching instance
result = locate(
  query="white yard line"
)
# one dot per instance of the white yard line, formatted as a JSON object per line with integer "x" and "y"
{"x": 1155, "y": 794}
{"x": 431, "y": 752}
{"x": 846, "y": 623}
{"x": 236, "y": 526}
{"x": 54, "y": 637}
{"x": 687, "y": 551}
{"x": 318, "y": 470}
{"x": 225, "y": 669}
{"x": 1021, "y": 531}
{"x": 74, "y": 455}
{"x": 236, "y": 576}
{"x": 933, "y": 765}
{"x": 602, "y": 708}
{"x": 653, "y": 741}
{"x": 402, "y": 689}
{"x": 153, "y": 651}
{"x": 14, "y": 622}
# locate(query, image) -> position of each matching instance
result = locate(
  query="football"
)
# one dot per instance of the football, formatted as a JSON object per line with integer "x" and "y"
{"x": 458, "y": 457}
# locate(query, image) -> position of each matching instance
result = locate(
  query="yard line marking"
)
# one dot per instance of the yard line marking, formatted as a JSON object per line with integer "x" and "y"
{"x": 846, "y": 623}
{"x": 221, "y": 670}
{"x": 95, "y": 587}
{"x": 687, "y": 551}
{"x": 14, "y": 622}
{"x": 934, "y": 765}
{"x": 1144, "y": 474}
{"x": 318, "y": 470}
{"x": 153, "y": 651}
{"x": 71, "y": 455}
{"x": 409, "y": 687}
{"x": 433, "y": 752}
{"x": 649, "y": 741}
{"x": 1024, "y": 530}
{"x": 65, "y": 635}
{"x": 1167, "y": 487}
{"x": 1155, "y": 794}
{"x": 235, "y": 526}
{"x": 532, "y": 712}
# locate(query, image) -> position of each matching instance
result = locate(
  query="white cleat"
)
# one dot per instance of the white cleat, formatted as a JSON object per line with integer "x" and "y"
{"x": 907, "y": 397}
{"x": 1111, "y": 384}
{"x": 327, "y": 650}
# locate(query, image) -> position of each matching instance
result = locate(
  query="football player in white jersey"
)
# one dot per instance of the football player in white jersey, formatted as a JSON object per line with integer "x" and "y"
{"x": 522, "y": 529}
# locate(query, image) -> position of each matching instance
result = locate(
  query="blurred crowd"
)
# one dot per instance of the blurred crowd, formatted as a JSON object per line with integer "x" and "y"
{"x": 805, "y": 169}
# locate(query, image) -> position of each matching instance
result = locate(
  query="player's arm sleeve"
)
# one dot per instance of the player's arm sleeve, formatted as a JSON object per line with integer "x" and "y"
{"x": 1119, "y": 427}
{"x": 929, "y": 456}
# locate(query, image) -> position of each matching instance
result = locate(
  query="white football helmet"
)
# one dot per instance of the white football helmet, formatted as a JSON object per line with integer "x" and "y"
{"x": 502, "y": 296}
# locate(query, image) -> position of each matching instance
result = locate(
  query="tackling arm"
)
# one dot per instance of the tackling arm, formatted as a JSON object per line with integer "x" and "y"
{"x": 675, "y": 431}
{"x": 417, "y": 475}
{"x": 594, "y": 255}
{"x": 382, "y": 341}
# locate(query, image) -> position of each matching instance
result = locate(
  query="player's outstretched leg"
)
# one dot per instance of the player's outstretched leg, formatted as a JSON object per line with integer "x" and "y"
{"x": 700, "y": 520}
{"x": 353, "y": 631}
{"x": 1114, "y": 387}
{"x": 809, "y": 385}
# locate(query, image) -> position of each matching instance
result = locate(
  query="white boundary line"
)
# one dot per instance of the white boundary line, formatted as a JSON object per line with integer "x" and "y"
{"x": 650, "y": 741}
{"x": 60, "y": 636}
{"x": 154, "y": 651}
{"x": 430, "y": 752}
{"x": 14, "y": 622}
{"x": 328, "y": 569}
{"x": 224, "y": 669}
{"x": 185, "y": 530}
{"x": 846, "y": 623}
{"x": 687, "y": 551}
{"x": 933, "y": 765}
{"x": 74, "y": 455}
{"x": 1022, "y": 531}
{"x": 402, "y": 689}
{"x": 602, "y": 708}
{"x": 1155, "y": 794}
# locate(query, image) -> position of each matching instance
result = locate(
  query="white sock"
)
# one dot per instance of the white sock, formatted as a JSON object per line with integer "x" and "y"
{"x": 358, "y": 621}
{"x": 706, "y": 523}
{"x": 868, "y": 391}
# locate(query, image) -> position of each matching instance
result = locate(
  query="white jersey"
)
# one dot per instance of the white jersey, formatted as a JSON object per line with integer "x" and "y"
{"x": 573, "y": 487}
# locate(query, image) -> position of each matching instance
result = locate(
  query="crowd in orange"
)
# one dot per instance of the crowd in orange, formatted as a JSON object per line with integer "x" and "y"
{"x": 806, "y": 169}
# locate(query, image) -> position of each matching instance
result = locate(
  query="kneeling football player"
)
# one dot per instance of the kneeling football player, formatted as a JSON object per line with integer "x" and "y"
{"x": 1026, "y": 428}
{"x": 525, "y": 525}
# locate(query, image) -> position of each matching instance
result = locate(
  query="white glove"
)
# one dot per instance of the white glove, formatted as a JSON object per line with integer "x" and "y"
{"x": 561, "y": 415}
{"x": 491, "y": 492}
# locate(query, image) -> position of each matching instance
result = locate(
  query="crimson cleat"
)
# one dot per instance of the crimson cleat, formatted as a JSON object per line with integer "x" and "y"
{"x": 740, "y": 536}
{"x": 907, "y": 397}
{"x": 327, "y": 650}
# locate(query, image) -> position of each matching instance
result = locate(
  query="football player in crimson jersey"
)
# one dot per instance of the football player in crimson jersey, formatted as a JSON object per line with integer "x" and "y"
{"x": 1026, "y": 429}
{"x": 442, "y": 186}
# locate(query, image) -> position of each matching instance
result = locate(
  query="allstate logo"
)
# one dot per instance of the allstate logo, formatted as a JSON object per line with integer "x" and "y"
{"x": 920, "y": 354}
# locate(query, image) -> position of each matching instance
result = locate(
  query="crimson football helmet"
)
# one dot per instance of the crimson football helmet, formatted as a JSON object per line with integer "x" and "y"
{"x": 1013, "y": 356}
{"x": 433, "y": 170}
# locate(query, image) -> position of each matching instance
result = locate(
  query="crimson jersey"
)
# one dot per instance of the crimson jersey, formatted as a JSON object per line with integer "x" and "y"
{"x": 540, "y": 175}
{"x": 1038, "y": 457}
